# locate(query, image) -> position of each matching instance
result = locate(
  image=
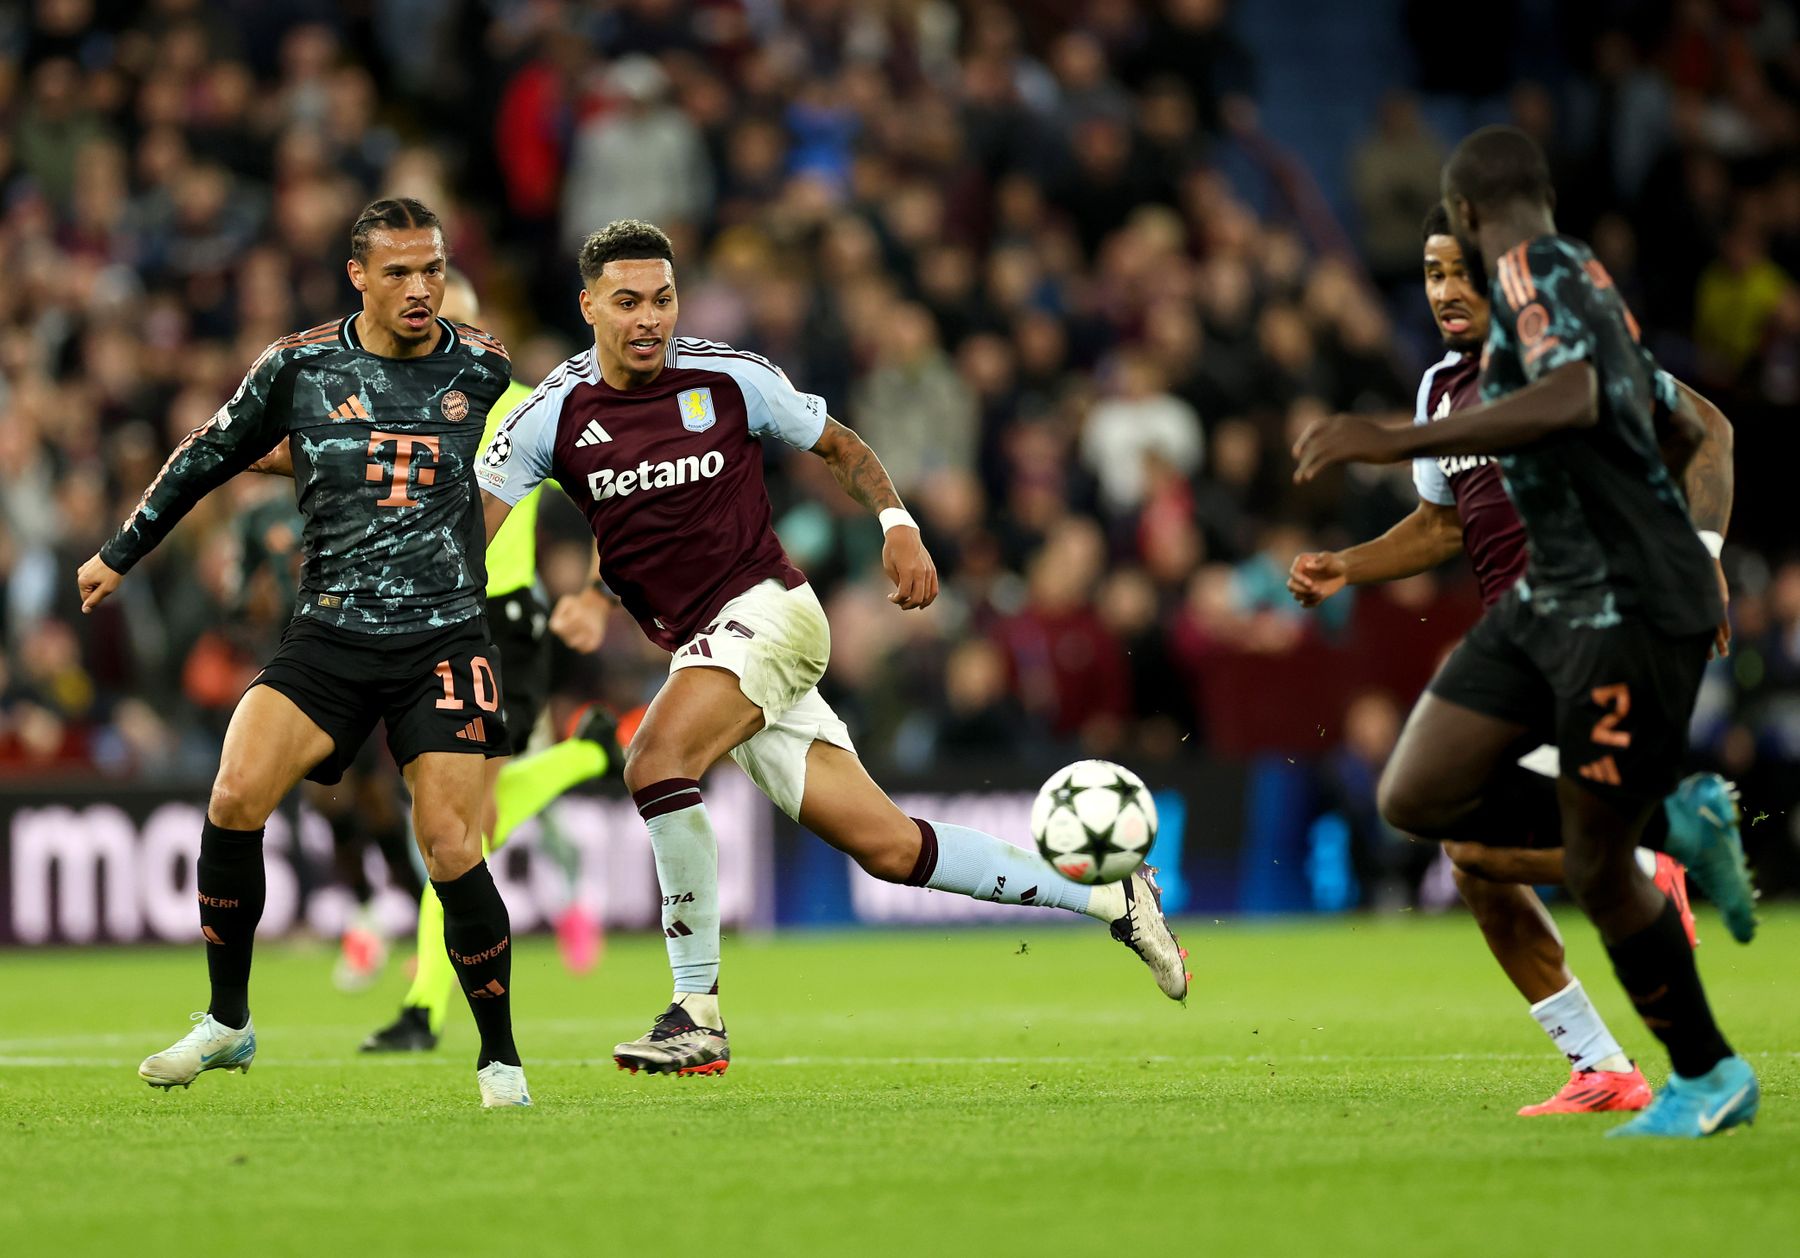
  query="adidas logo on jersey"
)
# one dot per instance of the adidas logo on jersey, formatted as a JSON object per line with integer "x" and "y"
{"x": 592, "y": 435}
{"x": 352, "y": 408}
{"x": 605, "y": 483}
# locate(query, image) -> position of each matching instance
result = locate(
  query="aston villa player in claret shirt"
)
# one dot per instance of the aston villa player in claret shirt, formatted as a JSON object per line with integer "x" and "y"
{"x": 382, "y": 411}
{"x": 1603, "y": 641}
{"x": 658, "y": 440}
{"x": 1463, "y": 508}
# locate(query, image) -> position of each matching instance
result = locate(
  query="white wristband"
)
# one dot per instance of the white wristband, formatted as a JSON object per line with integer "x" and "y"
{"x": 1712, "y": 541}
{"x": 896, "y": 517}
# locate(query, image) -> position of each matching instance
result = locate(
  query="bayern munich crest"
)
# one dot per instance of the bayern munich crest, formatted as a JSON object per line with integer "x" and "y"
{"x": 696, "y": 409}
{"x": 455, "y": 405}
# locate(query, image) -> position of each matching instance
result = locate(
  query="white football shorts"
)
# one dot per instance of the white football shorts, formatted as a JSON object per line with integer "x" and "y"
{"x": 776, "y": 641}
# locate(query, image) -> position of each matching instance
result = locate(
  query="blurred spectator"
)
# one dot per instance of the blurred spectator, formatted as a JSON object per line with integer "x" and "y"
{"x": 638, "y": 158}
{"x": 1739, "y": 294}
{"x": 1141, "y": 421}
{"x": 913, "y": 408}
{"x": 1395, "y": 173}
{"x": 1067, "y": 668}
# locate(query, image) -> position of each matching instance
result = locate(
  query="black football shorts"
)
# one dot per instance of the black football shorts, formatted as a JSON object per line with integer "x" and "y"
{"x": 438, "y": 690}
{"x": 1615, "y": 699}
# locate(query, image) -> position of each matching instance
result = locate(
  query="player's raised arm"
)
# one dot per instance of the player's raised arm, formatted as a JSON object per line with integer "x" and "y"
{"x": 239, "y": 433}
{"x": 1567, "y": 397}
{"x": 860, "y": 474}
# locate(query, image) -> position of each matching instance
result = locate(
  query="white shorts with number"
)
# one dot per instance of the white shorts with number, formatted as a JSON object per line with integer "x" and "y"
{"x": 777, "y": 642}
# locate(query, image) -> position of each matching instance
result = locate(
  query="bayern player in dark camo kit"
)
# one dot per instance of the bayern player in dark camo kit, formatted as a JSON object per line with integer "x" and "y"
{"x": 383, "y": 411}
{"x": 656, "y": 439}
{"x": 1463, "y": 508}
{"x": 1604, "y": 639}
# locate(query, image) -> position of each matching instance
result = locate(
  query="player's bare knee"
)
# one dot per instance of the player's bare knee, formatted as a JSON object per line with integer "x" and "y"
{"x": 449, "y": 857}
{"x": 890, "y": 856}
{"x": 450, "y": 845}
{"x": 1404, "y": 805}
{"x": 236, "y": 803}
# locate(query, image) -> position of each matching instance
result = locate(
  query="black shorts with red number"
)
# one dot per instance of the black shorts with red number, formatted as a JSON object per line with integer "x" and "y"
{"x": 520, "y": 624}
{"x": 438, "y": 690}
{"x": 1615, "y": 699}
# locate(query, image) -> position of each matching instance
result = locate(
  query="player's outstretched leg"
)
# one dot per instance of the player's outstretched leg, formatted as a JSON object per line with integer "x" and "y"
{"x": 844, "y": 806}
{"x": 269, "y": 747}
{"x": 1711, "y": 1088}
{"x": 1524, "y": 940}
{"x": 447, "y": 792}
{"x": 519, "y": 789}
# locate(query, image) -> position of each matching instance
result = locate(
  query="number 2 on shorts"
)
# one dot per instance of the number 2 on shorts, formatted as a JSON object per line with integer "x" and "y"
{"x": 481, "y": 675}
{"x": 1606, "y": 730}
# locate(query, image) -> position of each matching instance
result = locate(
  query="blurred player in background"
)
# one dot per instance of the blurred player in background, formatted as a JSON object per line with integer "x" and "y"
{"x": 1603, "y": 641}
{"x": 659, "y": 439}
{"x": 381, "y": 409}
{"x": 1463, "y": 508}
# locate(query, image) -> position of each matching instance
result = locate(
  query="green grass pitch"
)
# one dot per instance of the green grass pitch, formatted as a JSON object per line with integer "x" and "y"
{"x": 1332, "y": 1088}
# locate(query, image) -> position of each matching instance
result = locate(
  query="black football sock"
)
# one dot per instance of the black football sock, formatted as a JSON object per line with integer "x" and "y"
{"x": 476, "y": 935}
{"x": 1656, "y": 830}
{"x": 232, "y": 890}
{"x": 1656, "y": 968}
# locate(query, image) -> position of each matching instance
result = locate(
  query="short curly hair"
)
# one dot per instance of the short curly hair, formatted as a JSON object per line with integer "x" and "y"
{"x": 626, "y": 238}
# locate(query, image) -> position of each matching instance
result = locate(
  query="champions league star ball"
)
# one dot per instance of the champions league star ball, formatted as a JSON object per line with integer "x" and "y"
{"x": 1094, "y": 821}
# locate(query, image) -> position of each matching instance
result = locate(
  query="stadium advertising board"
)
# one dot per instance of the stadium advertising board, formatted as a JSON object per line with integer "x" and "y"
{"x": 116, "y": 866}
{"x": 80, "y": 866}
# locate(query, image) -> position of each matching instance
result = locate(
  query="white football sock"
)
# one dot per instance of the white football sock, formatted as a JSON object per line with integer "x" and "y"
{"x": 1579, "y": 1033}
{"x": 687, "y": 867}
{"x": 986, "y": 868}
{"x": 702, "y": 1007}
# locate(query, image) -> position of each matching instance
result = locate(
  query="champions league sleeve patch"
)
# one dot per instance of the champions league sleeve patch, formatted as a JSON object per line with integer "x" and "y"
{"x": 499, "y": 450}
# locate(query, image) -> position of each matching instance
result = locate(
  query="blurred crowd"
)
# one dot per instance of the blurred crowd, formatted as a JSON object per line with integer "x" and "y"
{"x": 1013, "y": 245}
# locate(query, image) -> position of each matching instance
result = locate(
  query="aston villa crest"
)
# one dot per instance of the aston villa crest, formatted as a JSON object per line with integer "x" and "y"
{"x": 696, "y": 409}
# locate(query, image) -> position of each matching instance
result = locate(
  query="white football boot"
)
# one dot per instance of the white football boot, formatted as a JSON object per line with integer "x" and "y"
{"x": 1143, "y": 929}
{"x": 676, "y": 1045}
{"x": 211, "y": 1045}
{"x": 502, "y": 1085}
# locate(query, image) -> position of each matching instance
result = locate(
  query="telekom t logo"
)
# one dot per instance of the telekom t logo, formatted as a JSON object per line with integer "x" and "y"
{"x": 398, "y": 474}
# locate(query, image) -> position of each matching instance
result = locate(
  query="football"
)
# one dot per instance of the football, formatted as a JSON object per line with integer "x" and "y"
{"x": 1094, "y": 820}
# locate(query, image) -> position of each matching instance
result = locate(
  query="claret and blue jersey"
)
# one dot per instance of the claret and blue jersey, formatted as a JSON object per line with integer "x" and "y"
{"x": 670, "y": 475}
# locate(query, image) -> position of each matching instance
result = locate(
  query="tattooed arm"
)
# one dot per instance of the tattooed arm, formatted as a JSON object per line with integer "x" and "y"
{"x": 1708, "y": 482}
{"x": 1707, "y": 479}
{"x": 860, "y": 475}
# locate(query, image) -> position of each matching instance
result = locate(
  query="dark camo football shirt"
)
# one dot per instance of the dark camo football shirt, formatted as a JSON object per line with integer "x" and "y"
{"x": 1607, "y": 529}
{"x": 384, "y": 452}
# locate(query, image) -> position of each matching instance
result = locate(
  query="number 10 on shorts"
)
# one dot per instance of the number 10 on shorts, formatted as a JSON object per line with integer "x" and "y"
{"x": 481, "y": 677}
